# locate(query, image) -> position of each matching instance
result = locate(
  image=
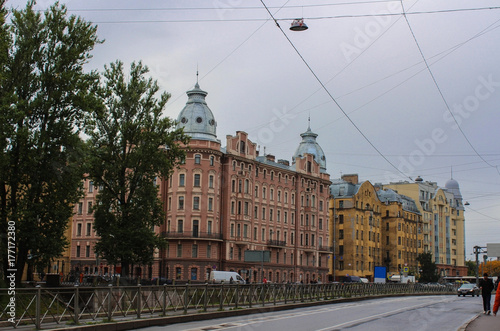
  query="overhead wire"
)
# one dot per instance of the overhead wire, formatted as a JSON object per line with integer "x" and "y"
{"x": 441, "y": 93}
{"x": 292, "y": 18}
{"x": 331, "y": 96}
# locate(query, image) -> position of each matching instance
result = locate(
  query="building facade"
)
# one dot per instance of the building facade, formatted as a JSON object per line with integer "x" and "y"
{"x": 443, "y": 222}
{"x": 372, "y": 227}
{"x": 225, "y": 201}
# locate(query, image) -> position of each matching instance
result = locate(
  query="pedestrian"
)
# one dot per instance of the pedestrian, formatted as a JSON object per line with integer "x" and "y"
{"x": 486, "y": 286}
{"x": 496, "y": 304}
{"x": 231, "y": 280}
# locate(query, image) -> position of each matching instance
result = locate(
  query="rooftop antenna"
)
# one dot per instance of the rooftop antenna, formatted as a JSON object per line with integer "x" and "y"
{"x": 197, "y": 75}
{"x": 451, "y": 172}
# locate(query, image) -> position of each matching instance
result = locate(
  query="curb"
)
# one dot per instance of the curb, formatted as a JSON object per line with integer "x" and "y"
{"x": 466, "y": 324}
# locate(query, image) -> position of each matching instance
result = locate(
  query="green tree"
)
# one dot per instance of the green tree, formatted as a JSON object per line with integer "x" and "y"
{"x": 428, "y": 268}
{"x": 131, "y": 145}
{"x": 471, "y": 267}
{"x": 44, "y": 100}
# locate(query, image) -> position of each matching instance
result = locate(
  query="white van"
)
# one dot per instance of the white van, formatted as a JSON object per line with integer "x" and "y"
{"x": 218, "y": 277}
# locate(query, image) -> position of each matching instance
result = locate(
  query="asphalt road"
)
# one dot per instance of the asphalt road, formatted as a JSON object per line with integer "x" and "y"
{"x": 420, "y": 313}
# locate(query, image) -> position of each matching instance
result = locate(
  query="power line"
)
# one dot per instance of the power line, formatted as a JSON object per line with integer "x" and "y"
{"x": 441, "y": 93}
{"x": 330, "y": 95}
{"x": 228, "y": 7}
{"x": 293, "y": 18}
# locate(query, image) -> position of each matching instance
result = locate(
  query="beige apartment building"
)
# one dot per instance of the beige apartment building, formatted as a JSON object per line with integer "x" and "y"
{"x": 443, "y": 222}
{"x": 372, "y": 227}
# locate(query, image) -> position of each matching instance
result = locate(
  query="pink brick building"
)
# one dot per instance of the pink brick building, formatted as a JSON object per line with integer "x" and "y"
{"x": 224, "y": 201}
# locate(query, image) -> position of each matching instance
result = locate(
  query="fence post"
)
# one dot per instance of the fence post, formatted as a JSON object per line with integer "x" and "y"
{"x": 237, "y": 296}
{"x": 164, "y": 299}
{"x": 186, "y": 296}
{"x": 77, "y": 302}
{"x": 286, "y": 292}
{"x": 139, "y": 301}
{"x": 110, "y": 304}
{"x": 274, "y": 294}
{"x": 250, "y": 294}
{"x": 205, "y": 298}
{"x": 221, "y": 297}
{"x": 38, "y": 308}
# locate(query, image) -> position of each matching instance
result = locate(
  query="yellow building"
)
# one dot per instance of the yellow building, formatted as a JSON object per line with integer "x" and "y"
{"x": 356, "y": 232}
{"x": 402, "y": 233}
{"x": 373, "y": 227}
{"x": 442, "y": 220}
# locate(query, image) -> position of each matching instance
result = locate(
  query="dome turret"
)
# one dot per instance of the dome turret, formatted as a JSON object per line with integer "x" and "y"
{"x": 309, "y": 145}
{"x": 196, "y": 118}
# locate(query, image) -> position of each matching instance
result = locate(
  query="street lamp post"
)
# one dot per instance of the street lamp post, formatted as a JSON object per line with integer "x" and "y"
{"x": 477, "y": 251}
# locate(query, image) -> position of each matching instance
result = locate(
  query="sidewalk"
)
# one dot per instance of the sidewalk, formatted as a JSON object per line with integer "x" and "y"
{"x": 483, "y": 323}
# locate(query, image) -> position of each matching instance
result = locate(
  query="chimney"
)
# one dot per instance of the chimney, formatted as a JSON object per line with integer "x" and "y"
{"x": 270, "y": 157}
{"x": 284, "y": 162}
{"x": 350, "y": 178}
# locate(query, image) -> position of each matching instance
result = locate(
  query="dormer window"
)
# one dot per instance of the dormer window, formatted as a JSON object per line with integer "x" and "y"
{"x": 199, "y": 120}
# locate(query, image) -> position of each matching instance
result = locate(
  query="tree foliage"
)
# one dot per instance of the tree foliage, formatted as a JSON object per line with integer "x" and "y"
{"x": 428, "y": 268}
{"x": 131, "y": 145}
{"x": 471, "y": 267}
{"x": 45, "y": 96}
{"x": 491, "y": 267}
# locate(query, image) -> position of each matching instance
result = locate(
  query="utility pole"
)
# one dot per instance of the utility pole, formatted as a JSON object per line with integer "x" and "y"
{"x": 478, "y": 250}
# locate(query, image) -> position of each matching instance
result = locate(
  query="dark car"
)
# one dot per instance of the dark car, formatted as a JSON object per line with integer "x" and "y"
{"x": 351, "y": 279}
{"x": 467, "y": 289}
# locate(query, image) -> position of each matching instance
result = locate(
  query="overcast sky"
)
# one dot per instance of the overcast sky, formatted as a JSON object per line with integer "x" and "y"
{"x": 397, "y": 120}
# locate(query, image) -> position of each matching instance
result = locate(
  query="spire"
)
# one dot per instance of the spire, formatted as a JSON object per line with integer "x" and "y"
{"x": 197, "y": 85}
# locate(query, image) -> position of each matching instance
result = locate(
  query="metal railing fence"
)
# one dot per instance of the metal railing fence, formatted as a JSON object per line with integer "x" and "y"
{"x": 42, "y": 307}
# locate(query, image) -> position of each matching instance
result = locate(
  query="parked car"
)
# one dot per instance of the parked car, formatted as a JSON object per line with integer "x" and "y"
{"x": 351, "y": 279}
{"x": 466, "y": 289}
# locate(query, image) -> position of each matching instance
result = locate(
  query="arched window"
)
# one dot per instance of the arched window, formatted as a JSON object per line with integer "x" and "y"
{"x": 197, "y": 159}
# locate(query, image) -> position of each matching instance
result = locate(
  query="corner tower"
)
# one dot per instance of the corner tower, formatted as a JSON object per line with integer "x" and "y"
{"x": 196, "y": 118}
{"x": 309, "y": 145}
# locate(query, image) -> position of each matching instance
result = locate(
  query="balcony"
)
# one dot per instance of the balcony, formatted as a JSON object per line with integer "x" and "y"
{"x": 276, "y": 243}
{"x": 325, "y": 248}
{"x": 192, "y": 235}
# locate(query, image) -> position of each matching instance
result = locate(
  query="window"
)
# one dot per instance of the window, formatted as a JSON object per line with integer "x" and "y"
{"x": 212, "y": 159}
{"x": 209, "y": 251}
{"x": 196, "y": 203}
{"x": 320, "y": 224}
{"x": 263, "y": 213}
{"x": 285, "y": 217}
{"x": 197, "y": 159}
{"x": 197, "y": 180}
{"x": 270, "y": 214}
{"x": 182, "y": 179}
{"x": 341, "y": 234}
{"x": 256, "y": 191}
{"x": 271, "y": 194}
{"x": 209, "y": 227}
{"x": 181, "y": 202}
{"x": 179, "y": 250}
{"x": 247, "y": 185}
{"x": 180, "y": 226}
{"x": 80, "y": 208}
{"x": 87, "y": 251}
{"x": 232, "y": 229}
{"x": 211, "y": 181}
{"x": 263, "y": 193}
{"x": 79, "y": 230}
{"x": 233, "y": 186}
{"x": 77, "y": 251}
{"x": 91, "y": 186}
{"x": 210, "y": 204}
{"x": 89, "y": 227}
{"x": 89, "y": 207}
{"x": 194, "y": 251}
{"x": 246, "y": 208}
